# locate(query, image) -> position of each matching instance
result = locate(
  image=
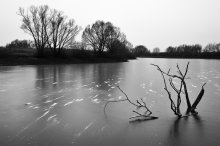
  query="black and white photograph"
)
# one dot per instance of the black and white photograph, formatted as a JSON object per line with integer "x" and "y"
{"x": 110, "y": 73}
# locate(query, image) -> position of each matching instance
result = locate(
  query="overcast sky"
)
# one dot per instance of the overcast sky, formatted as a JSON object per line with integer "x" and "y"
{"x": 153, "y": 23}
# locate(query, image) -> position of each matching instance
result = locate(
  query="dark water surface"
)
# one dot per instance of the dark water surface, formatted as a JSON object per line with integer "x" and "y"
{"x": 54, "y": 105}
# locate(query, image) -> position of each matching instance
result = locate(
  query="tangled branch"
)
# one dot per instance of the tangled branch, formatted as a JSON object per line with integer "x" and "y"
{"x": 140, "y": 104}
{"x": 182, "y": 77}
{"x": 173, "y": 107}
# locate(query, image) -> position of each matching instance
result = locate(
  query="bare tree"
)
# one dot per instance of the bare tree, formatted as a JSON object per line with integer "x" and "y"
{"x": 49, "y": 28}
{"x": 35, "y": 21}
{"x": 21, "y": 44}
{"x": 97, "y": 35}
{"x": 140, "y": 51}
{"x": 182, "y": 90}
{"x": 102, "y": 35}
{"x": 212, "y": 47}
{"x": 156, "y": 50}
{"x": 61, "y": 34}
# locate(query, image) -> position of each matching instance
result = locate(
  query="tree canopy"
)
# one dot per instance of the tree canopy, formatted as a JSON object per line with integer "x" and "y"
{"x": 156, "y": 50}
{"x": 103, "y": 36}
{"x": 212, "y": 47}
{"x": 141, "y": 51}
{"x": 185, "y": 49}
{"x": 49, "y": 28}
{"x": 19, "y": 44}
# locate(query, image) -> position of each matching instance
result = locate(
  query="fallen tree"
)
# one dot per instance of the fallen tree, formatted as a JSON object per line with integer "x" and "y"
{"x": 182, "y": 90}
{"x": 140, "y": 104}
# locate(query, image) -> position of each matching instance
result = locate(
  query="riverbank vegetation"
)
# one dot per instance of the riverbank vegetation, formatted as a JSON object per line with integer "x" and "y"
{"x": 53, "y": 41}
{"x": 210, "y": 51}
{"x": 28, "y": 56}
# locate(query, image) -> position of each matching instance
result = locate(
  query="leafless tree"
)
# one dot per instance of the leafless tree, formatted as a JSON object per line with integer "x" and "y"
{"x": 182, "y": 90}
{"x": 102, "y": 35}
{"x": 140, "y": 51}
{"x": 61, "y": 34}
{"x": 212, "y": 47}
{"x": 35, "y": 21}
{"x": 156, "y": 50}
{"x": 49, "y": 28}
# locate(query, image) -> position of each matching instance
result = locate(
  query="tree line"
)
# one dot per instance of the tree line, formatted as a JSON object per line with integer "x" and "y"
{"x": 54, "y": 34}
{"x": 211, "y": 50}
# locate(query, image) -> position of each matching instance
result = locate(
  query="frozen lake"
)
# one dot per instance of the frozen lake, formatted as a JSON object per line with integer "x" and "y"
{"x": 54, "y": 105}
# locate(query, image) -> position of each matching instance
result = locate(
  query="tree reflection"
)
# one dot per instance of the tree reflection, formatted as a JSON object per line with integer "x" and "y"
{"x": 78, "y": 80}
{"x": 184, "y": 129}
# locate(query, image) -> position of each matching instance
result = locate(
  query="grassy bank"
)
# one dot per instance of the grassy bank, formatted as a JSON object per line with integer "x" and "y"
{"x": 39, "y": 61}
{"x": 28, "y": 57}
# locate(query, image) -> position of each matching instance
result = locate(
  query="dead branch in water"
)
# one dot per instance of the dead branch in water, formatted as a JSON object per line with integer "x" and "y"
{"x": 173, "y": 107}
{"x": 198, "y": 99}
{"x": 182, "y": 77}
{"x": 139, "y": 104}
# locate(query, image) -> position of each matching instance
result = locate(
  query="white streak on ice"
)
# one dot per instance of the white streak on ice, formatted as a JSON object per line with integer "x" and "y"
{"x": 87, "y": 127}
{"x": 51, "y": 117}
{"x": 68, "y": 103}
{"x": 78, "y": 100}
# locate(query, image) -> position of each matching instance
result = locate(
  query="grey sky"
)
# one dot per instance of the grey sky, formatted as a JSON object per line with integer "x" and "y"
{"x": 153, "y": 23}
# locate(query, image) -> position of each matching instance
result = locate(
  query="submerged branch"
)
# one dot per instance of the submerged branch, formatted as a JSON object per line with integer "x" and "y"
{"x": 127, "y": 97}
{"x": 198, "y": 99}
{"x": 140, "y": 104}
{"x": 173, "y": 107}
{"x": 113, "y": 101}
{"x": 182, "y": 77}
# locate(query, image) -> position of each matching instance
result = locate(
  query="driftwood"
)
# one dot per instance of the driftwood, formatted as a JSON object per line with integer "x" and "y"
{"x": 140, "y": 104}
{"x": 198, "y": 99}
{"x": 182, "y": 89}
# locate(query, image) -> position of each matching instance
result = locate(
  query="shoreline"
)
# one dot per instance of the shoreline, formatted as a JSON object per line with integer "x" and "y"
{"x": 206, "y": 58}
{"x": 204, "y": 55}
{"x": 16, "y": 61}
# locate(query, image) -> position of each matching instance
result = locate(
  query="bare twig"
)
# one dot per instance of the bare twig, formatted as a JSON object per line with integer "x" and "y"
{"x": 172, "y": 105}
{"x": 113, "y": 101}
{"x": 168, "y": 73}
{"x": 138, "y": 105}
{"x": 127, "y": 97}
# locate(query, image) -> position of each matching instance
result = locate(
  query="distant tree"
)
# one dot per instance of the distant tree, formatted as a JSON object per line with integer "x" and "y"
{"x": 119, "y": 46}
{"x": 190, "y": 49}
{"x": 171, "y": 49}
{"x": 185, "y": 49}
{"x": 78, "y": 46}
{"x": 103, "y": 36}
{"x": 181, "y": 49}
{"x": 156, "y": 50}
{"x": 218, "y": 47}
{"x": 141, "y": 51}
{"x": 96, "y": 35}
{"x": 18, "y": 44}
{"x": 119, "y": 49}
{"x": 49, "y": 28}
{"x": 212, "y": 47}
{"x": 197, "y": 48}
